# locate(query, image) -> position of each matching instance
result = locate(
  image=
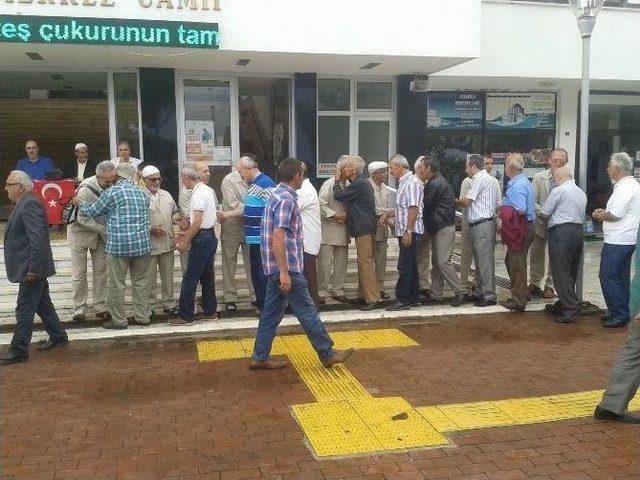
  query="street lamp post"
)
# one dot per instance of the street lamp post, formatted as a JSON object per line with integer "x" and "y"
{"x": 586, "y": 12}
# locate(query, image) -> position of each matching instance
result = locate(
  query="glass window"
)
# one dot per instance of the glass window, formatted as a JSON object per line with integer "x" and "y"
{"x": 374, "y": 95}
{"x": 452, "y": 149}
{"x": 333, "y": 141}
{"x": 334, "y": 94}
{"x": 373, "y": 140}
{"x": 125, "y": 89}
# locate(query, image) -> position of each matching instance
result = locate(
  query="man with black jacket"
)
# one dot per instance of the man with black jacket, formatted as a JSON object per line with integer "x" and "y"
{"x": 439, "y": 222}
{"x": 359, "y": 200}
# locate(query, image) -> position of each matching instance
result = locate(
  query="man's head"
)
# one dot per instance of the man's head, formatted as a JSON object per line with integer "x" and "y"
{"x": 378, "y": 171}
{"x": 398, "y": 166}
{"x": 124, "y": 151}
{"x": 290, "y": 172}
{"x": 620, "y": 166}
{"x": 561, "y": 175}
{"x": 126, "y": 171}
{"x": 189, "y": 175}
{"x": 17, "y": 185}
{"x": 248, "y": 167}
{"x": 514, "y": 165}
{"x": 474, "y": 165}
{"x": 558, "y": 158}
{"x": 305, "y": 170}
{"x": 32, "y": 149}
{"x": 204, "y": 172}
{"x": 82, "y": 152}
{"x": 353, "y": 167}
{"x": 431, "y": 165}
{"x": 152, "y": 178}
{"x": 106, "y": 174}
{"x": 488, "y": 163}
{"x": 420, "y": 169}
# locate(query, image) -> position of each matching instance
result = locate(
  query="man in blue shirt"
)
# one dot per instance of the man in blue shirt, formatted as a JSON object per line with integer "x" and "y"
{"x": 520, "y": 196}
{"x": 33, "y": 164}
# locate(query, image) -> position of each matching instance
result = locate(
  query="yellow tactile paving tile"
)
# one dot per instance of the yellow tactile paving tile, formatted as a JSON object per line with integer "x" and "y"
{"x": 389, "y": 338}
{"x": 437, "y": 419}
{"x": 474, "y": 415}
{"x": 580, "y": 404}
{"x": 533, "y": 410}
{"x": 214, "y": 350}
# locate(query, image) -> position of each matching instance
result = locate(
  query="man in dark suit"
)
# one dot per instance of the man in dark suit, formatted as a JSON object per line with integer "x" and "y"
{"x": 82, "y": 168}
{"x": 29, "y": 262}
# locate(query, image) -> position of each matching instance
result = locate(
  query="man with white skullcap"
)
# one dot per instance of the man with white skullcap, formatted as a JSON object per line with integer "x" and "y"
{"x": 163, "y": 212}
{"x": 81, "y": 167}
{"x": 378, "y": 173}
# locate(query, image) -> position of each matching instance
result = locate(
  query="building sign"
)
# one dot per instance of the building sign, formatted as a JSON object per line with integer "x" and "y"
{"x": 454, "y": 110}
{"x": 165, "y": 4}
{"x": 521, "y": 111}
{"x": 107, "y": 31}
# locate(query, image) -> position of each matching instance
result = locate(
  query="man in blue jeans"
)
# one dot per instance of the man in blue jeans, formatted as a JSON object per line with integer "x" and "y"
{"x": 283, "y": 262}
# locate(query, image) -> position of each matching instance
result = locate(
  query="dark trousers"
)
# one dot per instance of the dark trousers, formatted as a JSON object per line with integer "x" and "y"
{"x": 33, "y": 297}
{"x": 566, "y": 243}
{"x": 615, "y": 276}
{"x": 311, "y": 275}
{"x": 199, "y": 269}
{"x": 258, "y": 278}
{"x": 408, "y": 285}
{"x": 516, "y": 263}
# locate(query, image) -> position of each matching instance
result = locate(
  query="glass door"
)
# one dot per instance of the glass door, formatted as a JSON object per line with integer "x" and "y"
{"x": 374, "y": 139}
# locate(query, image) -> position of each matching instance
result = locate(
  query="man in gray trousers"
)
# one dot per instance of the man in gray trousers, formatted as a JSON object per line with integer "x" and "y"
{"x": 625, "y": 377}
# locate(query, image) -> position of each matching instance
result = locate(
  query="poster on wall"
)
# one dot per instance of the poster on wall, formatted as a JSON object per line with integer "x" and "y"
{"x": 454, "y": 110}
{"x": 200, "y": 144}
{"x": 521, "y": 111}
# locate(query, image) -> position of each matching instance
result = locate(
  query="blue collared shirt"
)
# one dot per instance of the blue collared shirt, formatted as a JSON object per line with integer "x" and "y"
{"x": 36, "y": 170}
{"x": 520, "y": 196}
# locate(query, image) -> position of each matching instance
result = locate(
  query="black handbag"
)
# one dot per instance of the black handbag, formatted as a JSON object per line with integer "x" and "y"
{"x": 70, "y": 211}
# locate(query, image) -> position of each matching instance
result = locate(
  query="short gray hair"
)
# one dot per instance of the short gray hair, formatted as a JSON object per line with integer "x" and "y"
{"x": 23, "y": 179}
{"x": 399, "y": 160}
{"x": 516, "y": 160}
{"x": 358, "y": 162}
{"x": 248, "y": 162}
{"x": 189, "y": 170}
{"x": 105, "y": 167}
{"x": 622, "y": 161}
{"x": 418, "y": 163}
{"x": 342, "y": 159}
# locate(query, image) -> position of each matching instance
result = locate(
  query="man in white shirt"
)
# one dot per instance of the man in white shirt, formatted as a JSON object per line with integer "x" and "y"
{"x": 124, "y": 156}
{"x": 620, "y": 225}
{"x": 309, "y": 205}
{"x": 203, "y": 244}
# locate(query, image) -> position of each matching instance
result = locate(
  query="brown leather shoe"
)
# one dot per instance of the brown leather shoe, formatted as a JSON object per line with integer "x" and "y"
{"x": 267, "y": 364}
{"x": 549, "y": 293}
{"x": 338, "y": 356}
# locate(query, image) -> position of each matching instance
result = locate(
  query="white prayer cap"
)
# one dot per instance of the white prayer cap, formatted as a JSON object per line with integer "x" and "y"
{"x": 375, "y": 166}
{"x": 149, "y": 170}
{"x": 79, "y": 146}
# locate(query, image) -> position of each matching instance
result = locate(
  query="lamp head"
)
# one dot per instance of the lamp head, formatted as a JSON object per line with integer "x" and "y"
{"x": 586, "y": 12}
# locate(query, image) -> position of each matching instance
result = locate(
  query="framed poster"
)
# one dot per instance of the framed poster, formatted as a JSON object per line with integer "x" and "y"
{"x": 455, "y": 110}
{"x": 520, "y": 111}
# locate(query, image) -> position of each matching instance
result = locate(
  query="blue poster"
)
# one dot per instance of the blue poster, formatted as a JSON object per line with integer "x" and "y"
{"x": 454, "y": 110}
{"x": 521, "y": 111}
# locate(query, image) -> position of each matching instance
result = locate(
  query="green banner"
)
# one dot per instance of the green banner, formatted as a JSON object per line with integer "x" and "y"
{"x": 107, "y": 31}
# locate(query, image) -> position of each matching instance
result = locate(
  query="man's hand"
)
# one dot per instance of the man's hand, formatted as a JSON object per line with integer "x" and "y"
{"x": 406, "y": 240}
{"x": 383, "y": 220}
{"x": 339, "y": 174}
{"x": 31, "y": 277}
{"x": 340, "y": 217}
{"x": 637, "y": 319}
{"x": 597, "y": 214}
{"x": 181, "y": 244}
{"x": 183, "y": 223}
{"x": 75, "y": 201}
{"x": 158, "y": 232}
{"x": 285, "y": 282}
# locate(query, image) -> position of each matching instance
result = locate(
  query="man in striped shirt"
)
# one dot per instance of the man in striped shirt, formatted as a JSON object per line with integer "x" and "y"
{"x": 481, "y": 201}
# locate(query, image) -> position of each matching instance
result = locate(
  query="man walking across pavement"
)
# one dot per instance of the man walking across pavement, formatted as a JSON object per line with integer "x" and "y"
{"x": 282, "y": 258}
{"x": 378, "y": 173}
{"x": 90, "y": 234}
{"x": 29, "y": 262}
{"x": 620, "y": 224}
{"x": 564, "y": 211}
{"x": 126, "y": 208}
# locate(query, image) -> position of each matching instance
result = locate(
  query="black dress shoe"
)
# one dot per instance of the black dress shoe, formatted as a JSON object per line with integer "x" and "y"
{"x": 470, "y": 297}
{"x": 484, "y": 302}
{"x": 50, "y": 344}
{"x": 399, "y": 306}
{"x": 372, "y": 306}
{"x": 342, "y": 298}
{"x": 555, "y": 308}
{"x": 606, "y": 318}
{"x": 79, "y": 317}
{"x": 564, "y": 318}
{"x": 458, "y": 300}
{"x": 615, "y": 323}
{"x": 431, "y": 300}
{"x": 10, "y": 357}
{"x": 384, "y": 296}
{"x": 602, "y": 414}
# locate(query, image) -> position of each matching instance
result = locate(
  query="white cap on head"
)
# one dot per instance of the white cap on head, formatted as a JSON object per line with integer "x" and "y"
{"x": 149, "y": 170}
{"x": 79, "y": 146}
{"x": 375, "y": 166}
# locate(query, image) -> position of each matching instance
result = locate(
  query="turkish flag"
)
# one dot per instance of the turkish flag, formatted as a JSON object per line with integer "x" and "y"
{"x": 54, "y": 195}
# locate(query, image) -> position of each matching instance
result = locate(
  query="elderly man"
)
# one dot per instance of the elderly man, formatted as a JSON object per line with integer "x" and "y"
{"x": 126, "y": 208}
{"x": 124, "y": 155}
{"x": 163, "y": 213}
{"x": 625, "y": 378}
{"x": 481, "y": 201}
{"x": 408, "y": 230}
{"x": 201, "y": 238}
{"x": 359, "y": 199}
{"x": 35, "y": 165}
{"x": 439, "y": 222}
{"x": 332, "y": 259}
{"x": 519, "y": 199}
{"x": 88, "y": 233}
{"x": 29, "y": 262}
{"x": 81, "y": 167}
{"x": 542, "y": 186}
{"x": 564, "y": 211}
{"x": 281, "y": 248}
{"x": 309, "y": 205}
{"x": 620, "y": 225}
{"x": 378, "y": 173}
{"x": 234, "y": 190}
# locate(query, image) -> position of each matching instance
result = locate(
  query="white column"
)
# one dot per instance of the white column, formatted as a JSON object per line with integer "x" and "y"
{"x": 567, "y": 121}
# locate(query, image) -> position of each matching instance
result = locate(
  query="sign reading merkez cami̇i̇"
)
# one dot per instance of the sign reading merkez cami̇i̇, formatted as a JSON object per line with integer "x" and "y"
{"x": 107, "y": 31}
